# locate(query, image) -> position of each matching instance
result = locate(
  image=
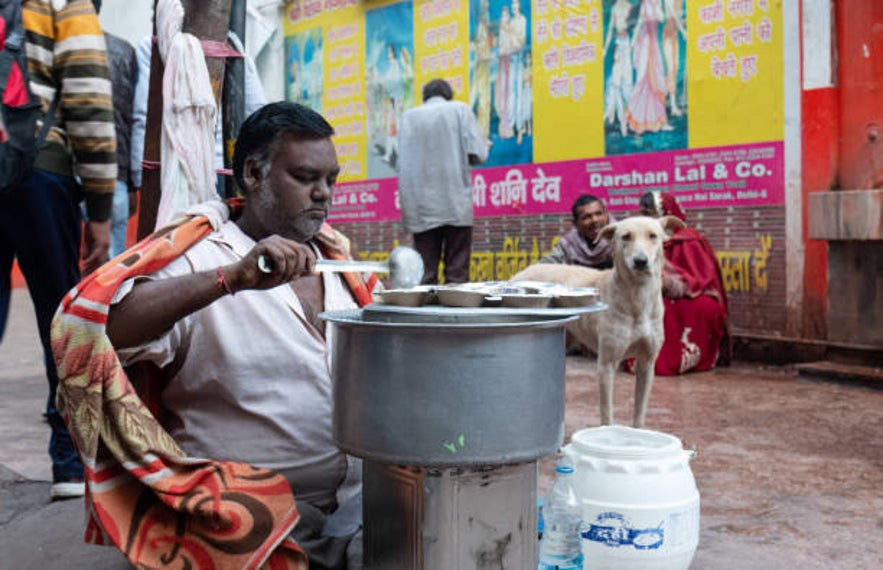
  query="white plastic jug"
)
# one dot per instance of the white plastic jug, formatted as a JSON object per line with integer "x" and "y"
{"x": 639, "y": 499}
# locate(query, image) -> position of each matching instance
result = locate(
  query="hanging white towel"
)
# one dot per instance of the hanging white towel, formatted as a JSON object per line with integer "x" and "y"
{"x": 188, "y": 117}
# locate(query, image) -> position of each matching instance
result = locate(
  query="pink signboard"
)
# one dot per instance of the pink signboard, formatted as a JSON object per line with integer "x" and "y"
{"x": 742, "y": 175}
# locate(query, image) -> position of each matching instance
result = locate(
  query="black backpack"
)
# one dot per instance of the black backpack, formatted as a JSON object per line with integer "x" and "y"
{"x": 19, "y": 108}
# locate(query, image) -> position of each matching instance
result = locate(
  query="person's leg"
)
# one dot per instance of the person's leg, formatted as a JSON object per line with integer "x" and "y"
{"x": 119, "y": 219}
{"x": 7, "y": 255}
{"x": 47, "y": 233}
{"x": 429, "y": 244}
{"x": 355, "y": 559}
{"x": 458, "y": 250}
{"x": 325, "y": 552}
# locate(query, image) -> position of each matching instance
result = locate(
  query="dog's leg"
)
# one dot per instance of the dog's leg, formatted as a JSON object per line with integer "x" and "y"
{"x": 644, "y": 371}
{"x": 606, "y": 372}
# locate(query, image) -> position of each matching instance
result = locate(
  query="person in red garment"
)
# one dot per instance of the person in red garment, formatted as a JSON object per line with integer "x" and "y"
{"x": 697, "y": 318}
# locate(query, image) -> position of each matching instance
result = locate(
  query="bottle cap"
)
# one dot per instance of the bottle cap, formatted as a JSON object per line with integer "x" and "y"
{"x": 564, "y": 469}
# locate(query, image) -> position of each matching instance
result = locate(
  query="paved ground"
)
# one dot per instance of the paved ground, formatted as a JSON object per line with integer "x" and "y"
{"x": 790, "y": 471}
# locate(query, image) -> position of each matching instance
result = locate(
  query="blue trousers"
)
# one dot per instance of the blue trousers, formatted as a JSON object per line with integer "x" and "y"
{"x": 40, "y": 225}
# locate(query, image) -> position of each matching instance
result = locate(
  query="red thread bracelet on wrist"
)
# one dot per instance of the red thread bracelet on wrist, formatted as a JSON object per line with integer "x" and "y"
{"x": 222, "y": 282}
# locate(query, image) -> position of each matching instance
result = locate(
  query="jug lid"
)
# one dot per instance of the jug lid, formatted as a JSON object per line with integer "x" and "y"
{"x": 625, "y": 442}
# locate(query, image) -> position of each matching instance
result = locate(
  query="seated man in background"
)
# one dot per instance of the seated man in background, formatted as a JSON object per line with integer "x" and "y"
{"x": 243, "y": 361}
{"x": 577, "y": 246}
{"x": 697, "y": 322}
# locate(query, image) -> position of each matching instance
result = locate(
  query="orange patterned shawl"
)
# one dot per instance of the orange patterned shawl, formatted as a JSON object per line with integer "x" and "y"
{"x": 159, "y": 507}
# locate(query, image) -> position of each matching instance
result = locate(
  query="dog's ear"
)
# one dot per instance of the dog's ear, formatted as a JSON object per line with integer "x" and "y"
{"x": 671, "y": 223}
{"x": 606, "y": 233}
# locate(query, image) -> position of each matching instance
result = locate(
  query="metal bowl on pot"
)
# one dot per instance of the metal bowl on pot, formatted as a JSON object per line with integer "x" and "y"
{"x": 457, "y": 296}
{"x": 413, "y": 297}
{"x": 575, "y": 297}
{"x": 526, "y": 300}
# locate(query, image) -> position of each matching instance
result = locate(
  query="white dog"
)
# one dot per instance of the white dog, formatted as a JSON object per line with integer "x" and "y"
{"x": 631, "y": 326}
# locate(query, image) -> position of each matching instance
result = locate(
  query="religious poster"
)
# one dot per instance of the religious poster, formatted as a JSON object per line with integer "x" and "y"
{"x": 501, "y": 73}
{"x": 607, "y": 97}
{"x": 645, "y": 104}
{"x": 389, "y": 66}
{"x": 305, "y": 72}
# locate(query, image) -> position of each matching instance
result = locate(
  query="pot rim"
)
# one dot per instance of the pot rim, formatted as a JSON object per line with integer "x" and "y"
{"x": 532, "y": 320}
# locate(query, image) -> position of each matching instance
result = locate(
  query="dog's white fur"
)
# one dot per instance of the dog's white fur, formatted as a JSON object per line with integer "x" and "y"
{"x": 631, "y": 326}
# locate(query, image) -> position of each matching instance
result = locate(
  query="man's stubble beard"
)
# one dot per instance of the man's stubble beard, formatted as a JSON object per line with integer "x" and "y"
{"x": 298, "y": 228}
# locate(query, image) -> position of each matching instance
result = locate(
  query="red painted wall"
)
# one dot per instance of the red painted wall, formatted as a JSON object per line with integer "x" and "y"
{"x": 820, "y": 139}
{"x": 819, "y": 162}
{"x": 842, "y": 150}
{"x": 860, "y": 78}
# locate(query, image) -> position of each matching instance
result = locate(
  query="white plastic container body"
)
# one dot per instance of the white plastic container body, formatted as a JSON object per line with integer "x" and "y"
{"x": 639, "y": 499}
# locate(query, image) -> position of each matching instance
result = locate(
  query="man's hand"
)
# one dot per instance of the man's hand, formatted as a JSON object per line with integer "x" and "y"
{"x": 288, "y": 260}
{"x": 673, "y": 287}
{"x": 96, "y": 244}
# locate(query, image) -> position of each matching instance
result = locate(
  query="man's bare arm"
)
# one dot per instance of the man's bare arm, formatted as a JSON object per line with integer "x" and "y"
{"x": 153, "y": 307}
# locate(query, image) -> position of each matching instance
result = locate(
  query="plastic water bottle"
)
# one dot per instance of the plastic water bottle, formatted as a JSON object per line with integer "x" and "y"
{"x": 560, "y": 547}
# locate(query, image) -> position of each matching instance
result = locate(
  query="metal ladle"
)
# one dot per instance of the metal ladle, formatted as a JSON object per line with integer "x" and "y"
{"x": 404, "y": 266}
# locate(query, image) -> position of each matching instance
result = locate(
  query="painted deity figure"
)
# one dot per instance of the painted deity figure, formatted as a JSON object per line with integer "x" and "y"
{"x": 518, "y": 39}
{"x": 620, "y": 80}
{"x": 394, "y": 79}
{"x": 504, "y": 71}
{"x": 646, "y": 107}
{"x": 407, "y": 68}
{"x": 526, "y": 115}
{"x": 392, "y": 119}
{"x": 671, "y": 50}
{"x": 481, "y": 74}
{"x": 393, "y": 74}
{"x": 375, "y": 102}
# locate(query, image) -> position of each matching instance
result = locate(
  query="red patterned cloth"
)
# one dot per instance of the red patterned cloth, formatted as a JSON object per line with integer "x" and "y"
{"x": 158, "y": 506}
{"x": 697, "y": 324}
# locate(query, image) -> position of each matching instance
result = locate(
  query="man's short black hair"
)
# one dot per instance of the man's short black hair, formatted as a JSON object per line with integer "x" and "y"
{"x": 260, "y": 132}
{"x": 585, "y": 200}
{"x": 436, "y": 88}
{"x": 647, "y": 204}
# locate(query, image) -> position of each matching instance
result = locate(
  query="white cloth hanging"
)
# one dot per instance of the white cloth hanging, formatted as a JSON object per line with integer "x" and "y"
{"x": 188, "y": 117}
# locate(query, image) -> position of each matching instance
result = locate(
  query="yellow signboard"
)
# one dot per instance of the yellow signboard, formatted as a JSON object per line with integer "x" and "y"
{"x": 611, "y": 97}
{"x": 735, "y": 60}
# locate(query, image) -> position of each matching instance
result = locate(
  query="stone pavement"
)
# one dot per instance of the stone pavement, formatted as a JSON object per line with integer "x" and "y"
{"x": 35, "y": 534}
{"x": 790, "y": 471}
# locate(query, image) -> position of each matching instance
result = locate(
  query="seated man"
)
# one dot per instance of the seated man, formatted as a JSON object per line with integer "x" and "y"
{"x": 697, "y": 326}
{"x": 242, "y": 354}
{"x": 577, "y": 246}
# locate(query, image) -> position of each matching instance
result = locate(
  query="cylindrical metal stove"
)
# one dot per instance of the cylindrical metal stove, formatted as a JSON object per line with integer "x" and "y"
{"x": 450, "y": 410}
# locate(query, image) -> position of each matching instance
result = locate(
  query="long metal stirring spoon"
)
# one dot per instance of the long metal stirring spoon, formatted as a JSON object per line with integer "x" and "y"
{"x": 404, "y": 267}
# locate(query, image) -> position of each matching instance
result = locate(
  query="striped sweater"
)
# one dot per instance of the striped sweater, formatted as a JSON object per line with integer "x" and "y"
{"x": 66, "y": 49}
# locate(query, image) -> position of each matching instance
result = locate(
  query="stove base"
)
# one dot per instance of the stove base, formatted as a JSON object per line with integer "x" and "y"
{"x": 439, "y": 519}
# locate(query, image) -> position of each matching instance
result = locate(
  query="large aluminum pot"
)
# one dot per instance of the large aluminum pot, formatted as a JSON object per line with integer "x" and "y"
{"x": 448, "y": 389}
